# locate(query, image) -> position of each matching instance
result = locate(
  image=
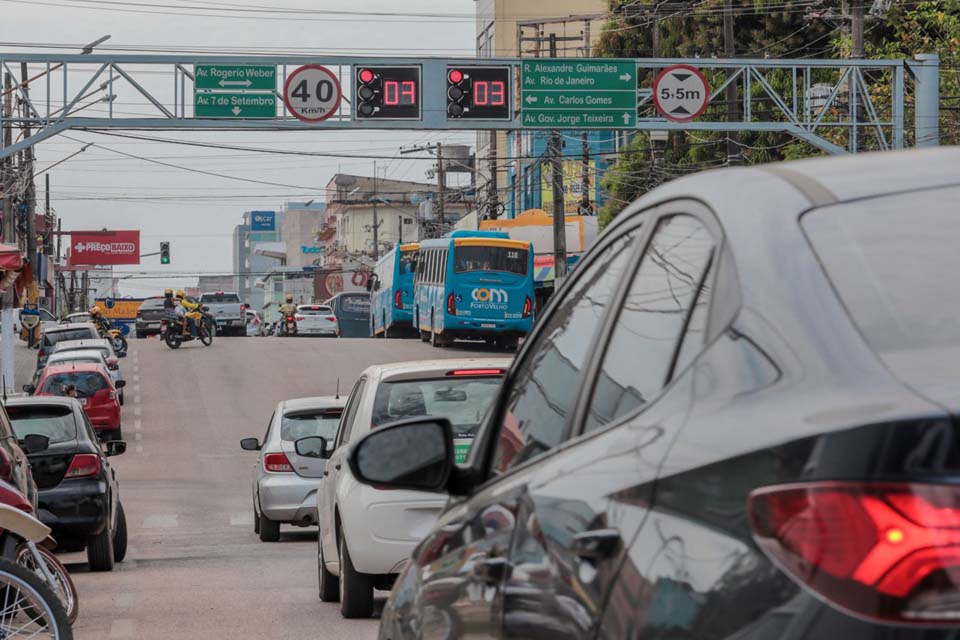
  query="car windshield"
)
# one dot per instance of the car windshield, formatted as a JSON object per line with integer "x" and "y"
{"x": 302, "y": 424}
{"x": 85, "y": 382}
{"x": 219, "y": 298}
{"x": 57, "y": 423}
{"x": 463, "y": 401}
{"x": 889, "y": 260}
{"x": 54, "y": 337}
{"x": 475, "y": 258}
{"x": 314, "y": 310}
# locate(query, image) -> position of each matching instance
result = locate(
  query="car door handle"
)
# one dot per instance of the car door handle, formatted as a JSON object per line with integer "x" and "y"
{"x": 492, "y": 570}
{"x": 596, "y": 544}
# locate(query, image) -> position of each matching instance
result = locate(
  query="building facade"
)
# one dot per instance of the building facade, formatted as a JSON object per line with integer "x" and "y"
{"x": 302, "y": 223}
{"x": 248, "y": 265}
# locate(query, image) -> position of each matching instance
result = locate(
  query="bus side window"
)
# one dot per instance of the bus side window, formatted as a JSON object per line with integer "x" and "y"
{"x": 443, "y": 266}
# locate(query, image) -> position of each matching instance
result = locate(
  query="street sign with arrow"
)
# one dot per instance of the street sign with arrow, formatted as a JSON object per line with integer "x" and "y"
{"x": 234, "y": 105}
{"x": 584, "y": 93}
{"x": 681, "y": 93}
{"x": 236, "y": 77}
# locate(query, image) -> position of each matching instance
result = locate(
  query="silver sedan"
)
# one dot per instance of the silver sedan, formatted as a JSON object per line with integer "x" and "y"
{"x": 284, "y": 483}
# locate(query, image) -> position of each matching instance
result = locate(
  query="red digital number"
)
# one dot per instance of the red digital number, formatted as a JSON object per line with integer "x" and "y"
{"x": 498, "y": 95}
{"x": 409, "y": 92}
{"x": 481, "y": 93}
{"x": 391, "y": 93}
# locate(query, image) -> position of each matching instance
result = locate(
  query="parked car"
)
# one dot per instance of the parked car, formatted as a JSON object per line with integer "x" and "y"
{"x": 736, "y": 419}
{"x": 14, "y": 466}
{"x": 352, "y": 311}
{"x": 95, "y": 389}
{"x": 102, "y": 345}
{"x": 94, "y": 356}
{"x": 79, "y": 496}
{"x": 75, "y": 317}
{"x": 149, "y": 316}
{"x": 367, "y": 534}
{"x": 316, "y": 320}
{"x": 285, "y": 483}
{"x": 227, "y": 310}
{"x": 68, "y": 331}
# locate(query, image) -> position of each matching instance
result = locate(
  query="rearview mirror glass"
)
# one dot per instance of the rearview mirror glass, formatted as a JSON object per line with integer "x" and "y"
{"x": 250, "y": 444}
{"x": 120, "y": 384}
{"x": 414, "y": 454}
{"x": 29, "y": 388}
{"x": 312, "y": 447}
{"x": 115, "y": 448}
{"x": 121, "y": 354}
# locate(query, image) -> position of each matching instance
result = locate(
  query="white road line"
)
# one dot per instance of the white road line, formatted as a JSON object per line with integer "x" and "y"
{"x": 139, "y": 449}
{"x": 136, "y": 378}
{"x": 241, "y": 519}
{"x": 123, "y": 628}
{"x": 138, "y": 436}
{"x": 160, "y": 521}
{"x": 137, "y": 423}
{"x": 136, "y": 398}
{"x": 136, "y": 411}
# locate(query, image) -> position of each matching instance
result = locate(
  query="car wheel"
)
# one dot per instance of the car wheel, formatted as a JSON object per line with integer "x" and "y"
{"x": 269, "y": 529}
{"x": 121, "y": 398}
{"x": 256, "y": 518}
{"x": 120, "y": 535}
{"x": 100, "y": 551}
{"x": 329, "y": 583}
{"x": 356, "y": 589}
{"x": 141, "y": 335}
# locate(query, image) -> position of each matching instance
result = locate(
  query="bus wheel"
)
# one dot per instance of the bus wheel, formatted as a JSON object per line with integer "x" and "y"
{"x": 385, "y": 334}
{"x": 436, "y": 340}
{"x": 424, "y": 336}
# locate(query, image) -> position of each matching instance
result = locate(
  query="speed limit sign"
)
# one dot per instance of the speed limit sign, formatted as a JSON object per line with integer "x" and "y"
{"x": 312, "y": 93}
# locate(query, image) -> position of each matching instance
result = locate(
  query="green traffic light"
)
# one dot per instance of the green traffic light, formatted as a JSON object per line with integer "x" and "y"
{"x": 164, "y": 259}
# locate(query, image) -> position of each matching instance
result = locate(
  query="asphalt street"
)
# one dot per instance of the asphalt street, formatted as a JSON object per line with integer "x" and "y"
{"x": 195, "y": 568}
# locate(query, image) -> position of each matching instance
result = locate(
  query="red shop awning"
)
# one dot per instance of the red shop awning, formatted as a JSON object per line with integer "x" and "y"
{"x": 10, "y": 257}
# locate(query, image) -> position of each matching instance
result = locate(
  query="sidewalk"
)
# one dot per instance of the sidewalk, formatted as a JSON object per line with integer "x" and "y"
{"x": 24, "y": 362}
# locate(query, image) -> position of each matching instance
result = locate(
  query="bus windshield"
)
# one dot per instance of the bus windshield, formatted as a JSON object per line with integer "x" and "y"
{"x": 480, "y": 258}
{"x": 408, "y": 262}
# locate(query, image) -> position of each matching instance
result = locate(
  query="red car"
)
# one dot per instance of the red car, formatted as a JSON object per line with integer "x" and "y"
{"x": 95, "y": 390}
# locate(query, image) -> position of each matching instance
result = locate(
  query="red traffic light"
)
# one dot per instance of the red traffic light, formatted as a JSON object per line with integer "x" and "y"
{"x": 366, "y": 75}
{"x": 456, "y": 76}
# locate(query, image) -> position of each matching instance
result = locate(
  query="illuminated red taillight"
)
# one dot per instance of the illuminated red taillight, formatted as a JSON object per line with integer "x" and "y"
{"x": 398, "y": 299}
{"x": 331, "y": 318}
{"x": 83, "y": 465}
{"x": 884, "y": 551}
{"x": 527, "y": 307}
{"x": 277, "y": 463}
{"x": 476, "y": 372}
{"x": 451, "y": 305}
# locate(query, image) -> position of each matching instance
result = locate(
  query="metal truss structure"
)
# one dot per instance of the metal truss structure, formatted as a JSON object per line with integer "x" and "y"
{"x": 836, "y": 105}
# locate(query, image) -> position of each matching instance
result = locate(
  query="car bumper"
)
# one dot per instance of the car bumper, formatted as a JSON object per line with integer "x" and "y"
{"x": 287, "y": 497}
{"x": 482, "y": 326}
{"x": 104, "y": 418}
{"x": 317, "y": 331}
{"x": 148, "y": 326}
{"x": 75, "y": 508}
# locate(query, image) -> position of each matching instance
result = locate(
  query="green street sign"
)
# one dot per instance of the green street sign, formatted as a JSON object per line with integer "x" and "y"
{"x": 461, "y": 447}
{"x": 234, "y": 105}
{"x": 236, "y": 77}
{"x": 563, "y": 93}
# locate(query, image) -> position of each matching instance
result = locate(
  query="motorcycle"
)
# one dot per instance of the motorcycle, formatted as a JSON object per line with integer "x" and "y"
{"x": 175, "y": 331}
{"x": 289, "y": 325}
{"x": 115, "y": 336}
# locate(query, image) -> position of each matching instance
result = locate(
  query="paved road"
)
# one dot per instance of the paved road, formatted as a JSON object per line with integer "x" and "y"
{"x": 195, "y": 569}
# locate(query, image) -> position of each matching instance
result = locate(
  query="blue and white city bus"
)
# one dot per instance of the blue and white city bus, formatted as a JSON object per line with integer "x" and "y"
{"x": 391, "y": 291}
{"x": 474, "y": 284}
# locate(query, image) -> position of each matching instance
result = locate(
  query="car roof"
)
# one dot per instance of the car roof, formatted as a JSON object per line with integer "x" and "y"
{"x": 414, "y": 370}
{"x": 69, "y": 354}
{"x": 82, "y": 367}
{"x": 63, "y": 401}
{"x": 317, "y": 402}
{"x": 88, "y": 343}
{"x": 67, "y": 326}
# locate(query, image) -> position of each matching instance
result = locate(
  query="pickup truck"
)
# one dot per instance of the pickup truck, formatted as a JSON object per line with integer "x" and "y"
{"x": 226, "y": 308}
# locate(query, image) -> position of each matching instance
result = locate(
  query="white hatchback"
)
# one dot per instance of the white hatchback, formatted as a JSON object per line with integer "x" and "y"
{"x": 316, "y": 320}
{"x": 367, "y": 534}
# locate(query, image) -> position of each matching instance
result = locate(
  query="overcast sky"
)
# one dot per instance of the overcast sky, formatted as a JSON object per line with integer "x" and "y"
{"x": 195, "y": 212}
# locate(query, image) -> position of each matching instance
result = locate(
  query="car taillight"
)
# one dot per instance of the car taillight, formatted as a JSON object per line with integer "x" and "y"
{"x": 332, "y": 318}
{"x": 398, "y": 299}
{"x": 476, "y": 372}
{"x": 112, "y": 394}
{"x": 451, "y": 305}
{"x": 527, "y": 307}
{"x": 884, "y": 551}
{"x": 277, "y": 463}
{"x": 83, "y": 465}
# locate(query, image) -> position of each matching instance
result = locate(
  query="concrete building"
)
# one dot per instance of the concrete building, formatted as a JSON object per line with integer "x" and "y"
{"x": 506, "y": 28}
{"x": 302, "y": 223}
{"x": 215, "y": 283}
{"x": 253, "y": 231}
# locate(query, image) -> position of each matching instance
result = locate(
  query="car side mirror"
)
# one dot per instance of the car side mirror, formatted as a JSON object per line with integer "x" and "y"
{"x": 120, "y": 384}
{"x": 121, "y": 354}
{"x": 29, "y": 388}
{"x": 250, "y": 444}
{"x": 35, "y": 443}
{"x": 411, "y": 454}
{"x": 114, "y": 448}
{"x": 312, "y": 447}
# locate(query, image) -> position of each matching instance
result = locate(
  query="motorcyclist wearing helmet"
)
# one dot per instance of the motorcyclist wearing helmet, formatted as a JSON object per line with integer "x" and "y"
{"x": 287, "y": 309}
{"x": 169, "y": 304}
{"x": 103, "y": 327}
{"x": 187, "y": 309}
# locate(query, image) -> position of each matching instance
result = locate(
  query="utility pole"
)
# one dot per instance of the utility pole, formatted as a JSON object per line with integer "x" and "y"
{"x": 376, "y": 222}
{"x": 493, "y": 196}
{"x": 585, "y": 142}
{"x": 856, "y": 30}
{"x": 7, "y": 370}
{"x": 441, "y": 185}
{"x": 559, "y": 217}
{"x": 31, "y": 197}
{"x": 733, "y": 107}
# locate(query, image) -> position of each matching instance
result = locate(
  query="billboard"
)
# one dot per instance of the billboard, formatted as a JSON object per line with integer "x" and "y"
{"x": 104, "y": 247}
{"x": 263, "y": 220}
{"x": 572, "y": 185}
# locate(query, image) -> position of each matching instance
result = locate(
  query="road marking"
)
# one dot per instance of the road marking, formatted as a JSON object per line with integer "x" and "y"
{"x": 136, "y": 378}
{"x": 137, "y": 423}
{"x": 123, "y": 628}
{"x": 241, "y": 519}
{"x": 136, "y": 411}
{"x": 161, "y": 521}
{"x": 138, "y": 436}
{"x": 136, "y": 398}
{"x": 139, "y": 449}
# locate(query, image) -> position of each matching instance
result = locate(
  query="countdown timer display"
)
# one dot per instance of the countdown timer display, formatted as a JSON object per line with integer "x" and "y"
{"x": 387, "y": 93}
{"x": 478, "y": 93}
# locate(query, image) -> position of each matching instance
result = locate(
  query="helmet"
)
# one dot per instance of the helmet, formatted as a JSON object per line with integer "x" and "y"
{"x": 181, "y": 294}
{"x": 168, "y": 292}
{"x": 290, "y": 298}
{"x": 94, "y": 311}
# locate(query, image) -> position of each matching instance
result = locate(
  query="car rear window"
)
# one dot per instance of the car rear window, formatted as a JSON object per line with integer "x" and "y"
{"x": 314, "y": 310}
{"x": 152, "y": 303}
{"x": 57, "y": 423}
{"x": 53, "y": 337}
{"x": 891, "y": 260}
{"x": 464, "y": 401}
{"x": 303, "y": 424}
{"x": 219, "y": 298}
{"x": 82, "y": 359}
{"x": 472, "y": 258}
{"x": 86, "y": 382}
{"x": 355, "y": 305}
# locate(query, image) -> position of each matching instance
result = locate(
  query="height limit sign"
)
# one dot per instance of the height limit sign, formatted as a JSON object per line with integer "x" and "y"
{"x": 681, "y": 93}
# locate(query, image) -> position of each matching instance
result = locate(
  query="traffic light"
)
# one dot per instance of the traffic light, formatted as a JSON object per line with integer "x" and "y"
{"x": 387, "y": 93}
{"x": 478, "y": 93}
{"x": 164, "y": 253}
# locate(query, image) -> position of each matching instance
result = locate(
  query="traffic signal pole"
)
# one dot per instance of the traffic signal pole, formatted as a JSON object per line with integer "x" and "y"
{"x": 7, "y": 370}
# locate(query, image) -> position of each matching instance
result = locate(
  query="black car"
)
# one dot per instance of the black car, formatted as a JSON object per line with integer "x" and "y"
{"x": 149, "y": 316}
{"x": 14, "y": 466}
{"x": 737, "y": 419}
{"x": 79, "y": 493}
